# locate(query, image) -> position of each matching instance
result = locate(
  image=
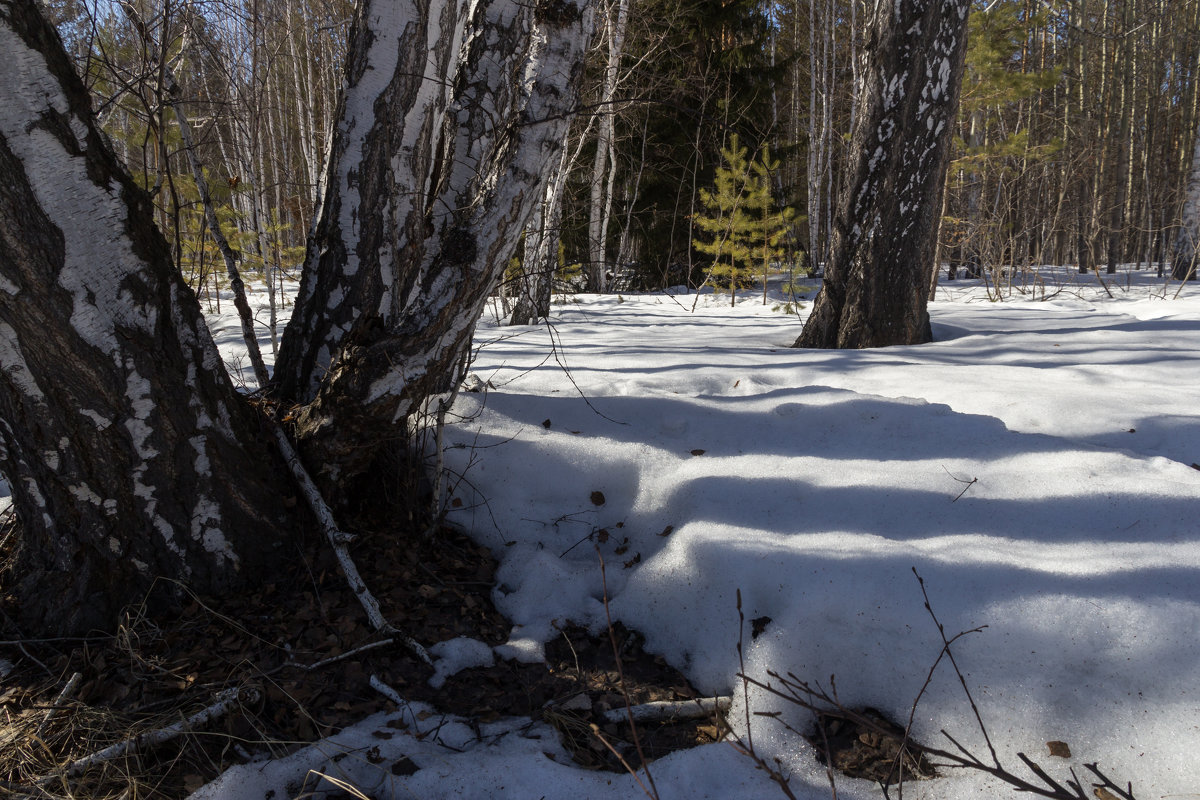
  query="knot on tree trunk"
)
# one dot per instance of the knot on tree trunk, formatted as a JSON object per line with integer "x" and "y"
{"x": 556, "y": 12}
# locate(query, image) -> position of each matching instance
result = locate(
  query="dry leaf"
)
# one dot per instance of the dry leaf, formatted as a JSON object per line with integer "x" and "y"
{"x": 697, "y": 452}
{"x": 598, "y": 498}
{"x": 667, "y": 530}
{"x": 1059, "y": 749}
{"x": 546, "y": 424}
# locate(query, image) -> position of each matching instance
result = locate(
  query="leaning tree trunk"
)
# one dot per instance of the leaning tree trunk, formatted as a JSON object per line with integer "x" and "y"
{"x": 885, "y": 232}
{"x": 130, "y": 455}
{"x": 454, "y": 117}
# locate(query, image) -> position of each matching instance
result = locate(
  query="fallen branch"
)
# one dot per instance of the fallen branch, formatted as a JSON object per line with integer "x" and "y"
{"x": 824, "y": 703}
{"x": 670, "y": 710}
{"x": 339, "y": 539}
{"x": 67, "y": 691}
{"x": 225, "y": 702}
{"x": 388, "y": 692}
{"x": 325, "y": 662}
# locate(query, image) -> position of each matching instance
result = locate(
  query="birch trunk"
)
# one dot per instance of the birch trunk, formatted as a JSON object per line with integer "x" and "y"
{"x": 604, "y": 160}
{"x": 129, "y": 453}
{"x": 542, "y": 236}
{"x": 1187, "y": 240}
{"x": 453, "y": 117}
{"x": 876, "y": 286}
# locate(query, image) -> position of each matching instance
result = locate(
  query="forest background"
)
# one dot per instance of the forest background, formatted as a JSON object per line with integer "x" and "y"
{"x": 1074, "y": 139}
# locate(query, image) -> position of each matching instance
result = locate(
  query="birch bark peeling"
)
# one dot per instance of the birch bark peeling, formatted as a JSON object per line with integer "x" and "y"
{"x": 454, "y": 115}
{"x": 885, "y": 230}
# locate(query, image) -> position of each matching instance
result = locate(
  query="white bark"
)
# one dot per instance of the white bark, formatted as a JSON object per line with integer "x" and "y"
{"x": 1187, "y": 240}
{"x": 129, "y": 452}
{"x": 670, "y": 710}
{"x": 604, "y": 160}
{"x": 468, "y": 104}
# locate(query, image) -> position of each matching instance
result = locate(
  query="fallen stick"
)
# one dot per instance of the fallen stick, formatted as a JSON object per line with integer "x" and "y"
{"x": 325, "y": 662}
{"x": 67, "y": 691}
{"x": 338, "y": 539}
{"x": 669, "y": 710}
{"x": 388, "y": 692}
{"x": 225, "y": 701}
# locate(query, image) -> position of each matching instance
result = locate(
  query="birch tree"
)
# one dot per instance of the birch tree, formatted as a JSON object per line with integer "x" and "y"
{"x": 129, "y": 453}
{"x": 885, "y": 231}
{"x": 1187, "y": 240}
{"x": 454, "y": 117}
{"x": 604, "y": 163}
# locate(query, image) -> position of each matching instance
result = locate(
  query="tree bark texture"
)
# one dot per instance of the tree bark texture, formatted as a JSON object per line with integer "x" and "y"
{"x": 542, "y": 238}
{"x": 454, "y": 116}
{"x": 885, "y": 233}
{"x": 130, "y": 455}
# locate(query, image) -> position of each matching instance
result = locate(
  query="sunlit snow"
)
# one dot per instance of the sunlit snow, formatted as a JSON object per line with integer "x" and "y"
{"x": 1035, "y": 464}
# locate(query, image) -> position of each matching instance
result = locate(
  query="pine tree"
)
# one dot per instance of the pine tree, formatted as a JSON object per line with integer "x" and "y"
{"x": 742, "y": 226}
{"x": 774, "y": 222}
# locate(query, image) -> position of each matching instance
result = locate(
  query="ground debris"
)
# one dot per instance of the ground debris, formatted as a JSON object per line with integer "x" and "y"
{"x": 866, "y": 744}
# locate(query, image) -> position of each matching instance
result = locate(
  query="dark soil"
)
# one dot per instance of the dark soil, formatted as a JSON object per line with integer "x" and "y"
{"x": 163, "y": 665}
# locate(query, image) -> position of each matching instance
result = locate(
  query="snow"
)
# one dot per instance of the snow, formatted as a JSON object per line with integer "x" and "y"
{"x": 454, "y": 655}
{"x": 1034, "y": 465}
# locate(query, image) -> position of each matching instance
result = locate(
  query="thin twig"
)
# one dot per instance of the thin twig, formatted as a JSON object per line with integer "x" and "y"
{"x": 961, "y": 679}
{"x": 66, "y": 692}
{"x": 335, "y": 659}
{"x": 612, "y": 638}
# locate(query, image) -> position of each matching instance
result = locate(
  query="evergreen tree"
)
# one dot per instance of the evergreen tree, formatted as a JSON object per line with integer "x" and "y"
{"x": 992, "y": 146}
{"x": 691, "y": 71}
{"x": 742, "y": 227}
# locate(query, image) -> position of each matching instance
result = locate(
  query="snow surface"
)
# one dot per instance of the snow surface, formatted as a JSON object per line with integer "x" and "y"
{"x": 825, "y": 477}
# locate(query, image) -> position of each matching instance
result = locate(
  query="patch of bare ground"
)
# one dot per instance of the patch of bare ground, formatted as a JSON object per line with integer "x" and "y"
{"x": 278, "y": 646}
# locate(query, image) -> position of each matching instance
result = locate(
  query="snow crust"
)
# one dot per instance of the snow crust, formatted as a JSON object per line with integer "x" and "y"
{"x": 1033, "y": 464}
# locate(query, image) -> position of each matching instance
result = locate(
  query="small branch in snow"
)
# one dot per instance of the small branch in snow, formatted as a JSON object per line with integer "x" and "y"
{"x": 555, "y": 351}
{"x": 969, "y": 484}
{"x": 746, "y": 747}
{"x": 670, "y": 710}
{"x": 822, "y": 703}
{"x": 404, "y": 707}
{"x": 652, "y": 790}
{"x": 388, "y": 692}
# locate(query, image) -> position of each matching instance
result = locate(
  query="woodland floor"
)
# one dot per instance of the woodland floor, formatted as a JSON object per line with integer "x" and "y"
{"x": 159, "y": 669}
